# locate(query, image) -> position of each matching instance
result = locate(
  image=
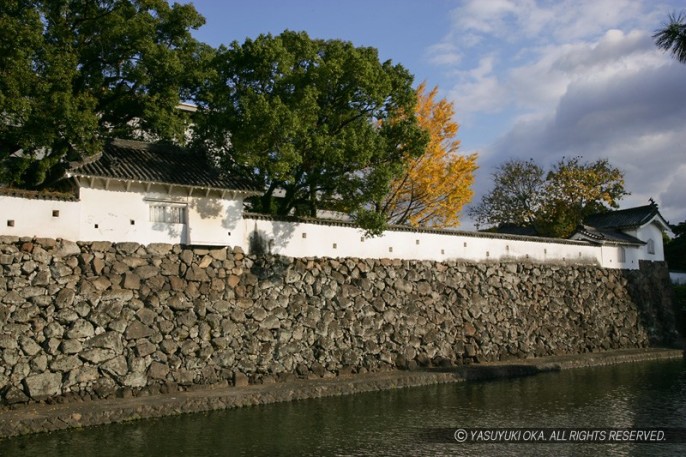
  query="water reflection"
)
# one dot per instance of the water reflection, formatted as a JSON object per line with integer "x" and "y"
{"x": 390, "y": 423}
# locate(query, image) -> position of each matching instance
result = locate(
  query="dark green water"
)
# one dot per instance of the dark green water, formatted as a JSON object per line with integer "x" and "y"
{"x": 649, "y": 394}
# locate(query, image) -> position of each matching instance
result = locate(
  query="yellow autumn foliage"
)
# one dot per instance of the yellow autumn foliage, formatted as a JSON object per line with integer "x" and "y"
{"x": 436, "y": 185}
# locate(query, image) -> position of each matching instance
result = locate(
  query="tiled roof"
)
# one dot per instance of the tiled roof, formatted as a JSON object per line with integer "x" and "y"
{"x": 146, "y": 162}
{"x": 513, "y": 229}
{"x": 600, "y": 235}
{"x": 623, "y": 219}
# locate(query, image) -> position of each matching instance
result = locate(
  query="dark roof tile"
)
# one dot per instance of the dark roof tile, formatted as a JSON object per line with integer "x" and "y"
{"x": 146, "y": 162}
{"x": 513, "y": 229}
{"x": 623, "y": 219}
{"x": 614, "y": 236}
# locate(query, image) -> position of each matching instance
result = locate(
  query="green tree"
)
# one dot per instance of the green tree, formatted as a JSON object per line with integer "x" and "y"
{"x": 672, "y": 36}
{"x": 574, "y": 190}
{"x": 516, "y": 197}
{"x": 323, "y": 122}
{"x": 675, "y": 249}
{"x": 554, "y": 205}
{"x": 77, "y": 72}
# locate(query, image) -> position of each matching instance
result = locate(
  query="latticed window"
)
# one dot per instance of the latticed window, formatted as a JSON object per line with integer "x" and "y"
{"x": 169, "y": 213}
{"x": 622, "y": 254}
{"x": 651, "y": 246}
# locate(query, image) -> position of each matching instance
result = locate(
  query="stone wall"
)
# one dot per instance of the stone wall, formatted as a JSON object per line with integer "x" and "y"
{"x": 100, "y": 319}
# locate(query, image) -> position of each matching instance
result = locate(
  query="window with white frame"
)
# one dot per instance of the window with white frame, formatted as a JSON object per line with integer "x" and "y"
{"x": 651, "y": 246}
{"x": 170, "y": 213}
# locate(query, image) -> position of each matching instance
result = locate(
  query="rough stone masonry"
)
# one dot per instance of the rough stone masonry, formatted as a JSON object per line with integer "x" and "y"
{"x": 93, "y": 320}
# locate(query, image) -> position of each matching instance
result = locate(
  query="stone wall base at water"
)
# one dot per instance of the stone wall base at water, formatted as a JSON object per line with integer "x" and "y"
{"x": 98, "y": 319}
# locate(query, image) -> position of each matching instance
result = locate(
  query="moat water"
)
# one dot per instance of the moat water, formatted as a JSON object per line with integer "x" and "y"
{"x": 394, "y": 423}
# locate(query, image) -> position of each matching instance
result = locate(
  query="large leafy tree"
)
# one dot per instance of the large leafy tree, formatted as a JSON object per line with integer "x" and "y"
{"x": 310, "y": 120}
{"x": 672, "y": 36}
{"x": 437, "y": 184}
{"x": 516, "y": 197}
{"x": 554, "y": 205}
{"x": 675, "y": 249}
{"x": 76, "y": 72}
{"x": 576, "y": 189}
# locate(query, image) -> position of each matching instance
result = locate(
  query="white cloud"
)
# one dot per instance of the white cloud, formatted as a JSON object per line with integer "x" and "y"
{"x": 444, "y": 54}
{"x": 577, "y": 78}
{"x": 559, "y": 21}
{"x": 634, "y": 120}
{"x": 480, "y": 17}
{"x": 480, "y": 89}
{"x": 539, "y": 83}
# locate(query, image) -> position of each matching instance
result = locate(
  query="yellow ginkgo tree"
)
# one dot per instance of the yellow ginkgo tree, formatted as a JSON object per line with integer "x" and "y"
{"x": 436, "y": 185}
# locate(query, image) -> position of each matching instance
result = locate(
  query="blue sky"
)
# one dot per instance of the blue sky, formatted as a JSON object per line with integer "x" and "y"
{"x": 529, "y": 78}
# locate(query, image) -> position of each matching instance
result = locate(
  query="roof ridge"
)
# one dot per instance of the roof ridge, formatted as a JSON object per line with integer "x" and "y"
{"x": 634, "y": 208}
{"x": 161, "y": 163}
{"x": 148, "y": 146}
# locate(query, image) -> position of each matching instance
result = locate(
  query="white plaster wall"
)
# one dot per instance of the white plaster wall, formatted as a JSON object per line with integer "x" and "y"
{"x": 677, "y": 277}
{"x": 33, "y": 217}
{"x": 651, "y": 231}
{"x": 211, "y": 221}
{"x": 106, "y": 215}
{"x": 611, "y": 257}
{"x": 315, "y": 240}
{"x": 215, "y": 221}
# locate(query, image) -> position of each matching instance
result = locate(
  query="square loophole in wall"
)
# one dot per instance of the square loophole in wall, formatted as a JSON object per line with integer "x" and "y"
{"x": 133, "y": 222}
{"x": 10, "y": 222}
{"x": 96, "y": 226}
{"x": 335, "y": 246}
{"x": 55, "y": 213}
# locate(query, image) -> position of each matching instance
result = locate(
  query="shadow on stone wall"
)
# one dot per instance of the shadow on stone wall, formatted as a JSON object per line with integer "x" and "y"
{"x": 650, "y": 289}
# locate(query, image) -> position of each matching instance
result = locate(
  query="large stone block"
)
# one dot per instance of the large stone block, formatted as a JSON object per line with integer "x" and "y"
{"x": 135, "y": 380}
{"x": 81, "y": 329}
{"x": 136, "y": 330}
{"x": 158, "y": 371}
{"x": 131, "y": 281}
{"x": 8, "y": 342}
{"x": 116, "y": 366}
{"x": 43, "y": 386}
{"x": 147, "y": 271}
{"x": 97, "y": 355}
{"x": 108, "y": 340}
{"x": 67, "y": 248}
{"x": 159, "y": 249}
{"x": 64, "y": 363}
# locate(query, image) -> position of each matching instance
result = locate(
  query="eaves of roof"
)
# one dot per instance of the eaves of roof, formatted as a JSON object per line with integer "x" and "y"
{"x": 168, "y": 165}
{"x": 599, "y": 236}
{"x": 626, "y": 219}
